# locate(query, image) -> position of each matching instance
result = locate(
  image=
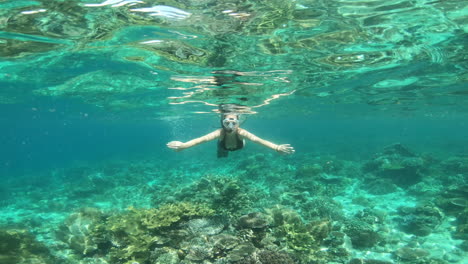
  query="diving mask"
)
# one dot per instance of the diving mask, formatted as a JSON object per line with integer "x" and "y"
{"x": 230, "y": 123}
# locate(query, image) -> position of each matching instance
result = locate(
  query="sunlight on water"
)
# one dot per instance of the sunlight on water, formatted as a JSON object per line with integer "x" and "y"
{"x": 321, "y": 44}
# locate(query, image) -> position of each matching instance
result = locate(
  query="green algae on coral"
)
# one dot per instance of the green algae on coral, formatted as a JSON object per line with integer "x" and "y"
{"x": 169, "y": 214}
{"x": 21, "y": 247}
{"x": 128, "y": 236}
{"x": 293, "y": 233}
{"x": 226, "y": 195}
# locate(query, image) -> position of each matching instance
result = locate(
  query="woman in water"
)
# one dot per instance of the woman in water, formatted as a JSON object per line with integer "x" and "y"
{"x": 230, "y": 138}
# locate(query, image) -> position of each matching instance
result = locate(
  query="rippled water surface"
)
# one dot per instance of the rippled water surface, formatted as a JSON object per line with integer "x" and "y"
{"x": 127, "y": 55}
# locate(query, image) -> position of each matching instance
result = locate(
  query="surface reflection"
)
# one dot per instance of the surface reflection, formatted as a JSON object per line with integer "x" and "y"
{"x": 337, "y": 52}
{"x": 253, "y": 89}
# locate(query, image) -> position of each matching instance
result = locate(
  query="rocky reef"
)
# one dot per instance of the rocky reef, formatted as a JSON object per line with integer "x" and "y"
{"x": 258, "y": 211}
{"x": 397, "y": 164}
{"x": 21, "y": 247}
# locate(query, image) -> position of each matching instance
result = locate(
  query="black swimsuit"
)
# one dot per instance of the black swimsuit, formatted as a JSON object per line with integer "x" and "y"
{"x": 223, "y": 150}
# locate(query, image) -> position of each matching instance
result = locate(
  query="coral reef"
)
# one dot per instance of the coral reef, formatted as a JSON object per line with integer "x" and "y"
{"x": 407, "y": 253}
{"x": 267, "y": 257}
{"x": 21, "y": 247}
{"x": 226, "y": 195}
{"x": 368, "y": 261}
{"x": 228, "y": 216}
{"x": 321, "y": 207}
{"x": 461, "y": 231}
{"x": 206, "y": 226}
{"x": 362, "y": 234}
{"x": 380, "y": 186}
{"x": 420, "y": 220}
{"x": 398, "y": 164}
{"x": 253, "y": 221}
{"x": 76, "y": 231}
{"x": 131, "y": 235}
{"x": 169, "y": 214}
{"x": 455, "y": 165}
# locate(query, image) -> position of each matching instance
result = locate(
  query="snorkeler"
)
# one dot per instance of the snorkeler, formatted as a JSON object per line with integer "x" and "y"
{"x": 230, "y": 138}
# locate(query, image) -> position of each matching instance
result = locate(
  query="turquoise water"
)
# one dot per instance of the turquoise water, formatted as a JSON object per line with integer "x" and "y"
{"x": 371, "y": 94}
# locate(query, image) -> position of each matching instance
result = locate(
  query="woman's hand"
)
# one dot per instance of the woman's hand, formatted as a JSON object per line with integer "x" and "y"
{"x": 175, "y": 145}
{"x": 285, "y": 149}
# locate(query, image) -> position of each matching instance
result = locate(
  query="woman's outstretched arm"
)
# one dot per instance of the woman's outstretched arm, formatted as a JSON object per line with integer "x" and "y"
{"x": 178, "y": 145}
{"x": 282, "y": 148}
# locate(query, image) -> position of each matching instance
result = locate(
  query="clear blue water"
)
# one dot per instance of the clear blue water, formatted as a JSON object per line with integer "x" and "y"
{"x": 371, "y": 94}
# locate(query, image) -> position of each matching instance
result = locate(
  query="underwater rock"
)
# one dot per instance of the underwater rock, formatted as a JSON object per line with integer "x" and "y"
{"x": 241, "y": 252}
{"x": 461, "y": 231}
{"x": 455, "y": 165}
{"x": 77, "y": 233}
{"x": 452, "y": 206}
{"x": 459, "y": 202}
{"x": 197, "y": 250}
{"x": 426, "y": 188}
{"x": 368, "y": 261}
{"x": 164, "y": 256}
{"x": 363, "y": 201}
{"x": 100, "y": 181}
{"x": 379, "y": 186}
{"x": 21, "y": 247}
{"x": 254, "y": 163}
{"x": 420, "y": 220}
{"x": 464, "y": 246}
{"x": 268, "y": 257}
{"x": 206, "y": 226}
{"x": 223, "y": 243}
{"x": 169, "y": 214}
{"x": 323, "y": 207}
{"x": 319, "y": 229}
{"x": 371, "y": 216}
{"x": 407, "y": 253}
{"x": 398, "y": 150}
{"x": 362, "y": 234}
{"x": 337, "y": 254}
{"x": 398, "y": 164}
{"x": 226, "y": 195}
{"x": 454, "y": 199}
{"x": 253, "y": 221}
{"x": 335, "y": 239}
{"x": 272, "y": 257}
{"x": 293, "y": 198}
{"x": 283, "y": 215}
{"x": 309, "y": 170}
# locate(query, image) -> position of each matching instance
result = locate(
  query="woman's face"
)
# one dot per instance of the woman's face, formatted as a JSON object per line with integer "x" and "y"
{"x": 230, "y": 122}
